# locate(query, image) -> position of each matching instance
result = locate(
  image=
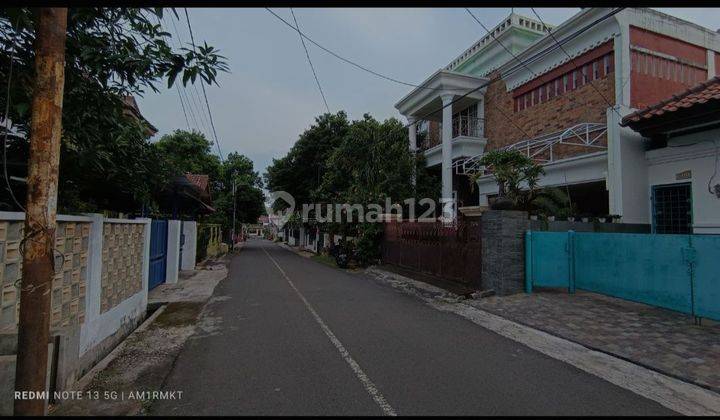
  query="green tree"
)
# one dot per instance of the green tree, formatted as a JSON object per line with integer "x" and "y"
{"x": 370, "y": 165}
{"x": 301, "y": 171}
{"x": 516, "y": 175}
{"x": 249, "y": 198}
{"x": 188, "y": 152}
{"x": 106, "y": 161}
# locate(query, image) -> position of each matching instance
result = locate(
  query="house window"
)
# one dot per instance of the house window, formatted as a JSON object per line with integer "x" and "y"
{"x": 557, "y": 87}
{"x": 565, "y": 83}
{"x": 584, "y": 75}
{"x": 672, "y": 208}
{"x": 606, "y": 64}
{"x": 574, "y": 80}
{"x": 465, "y": 122}
{"x": 596, "y": 74}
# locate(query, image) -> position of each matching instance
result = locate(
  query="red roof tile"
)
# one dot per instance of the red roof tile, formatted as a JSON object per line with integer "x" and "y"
{"x": 700, "y": 94}
{"x": 201, "y": 181}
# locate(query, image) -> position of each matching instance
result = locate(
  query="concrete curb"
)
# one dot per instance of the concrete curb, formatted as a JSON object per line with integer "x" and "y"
{"x": 675, "y": 394}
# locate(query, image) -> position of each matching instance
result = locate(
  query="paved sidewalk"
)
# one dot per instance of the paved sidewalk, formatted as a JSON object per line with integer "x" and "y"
{"x": 659, "y": 339}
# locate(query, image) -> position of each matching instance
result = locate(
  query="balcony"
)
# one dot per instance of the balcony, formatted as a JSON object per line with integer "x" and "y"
{"x": 467, "y": 139}
{"x": 471, "y": 128}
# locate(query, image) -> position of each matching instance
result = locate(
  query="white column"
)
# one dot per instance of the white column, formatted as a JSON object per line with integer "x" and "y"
{"x": 623, "y": 72}
{"x": 190, "y": 246}
{"x": 447, "y": 187}
{"x": 481, "y": 117}
{"x": 412, "y": 133}
{"x": 93, "y": 278}
{"x": 173, "y": 252}
{"x": 712, "y": 71}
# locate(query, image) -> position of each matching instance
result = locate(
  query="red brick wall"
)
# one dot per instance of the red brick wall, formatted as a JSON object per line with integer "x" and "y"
{"x": 583, "y": 104}
{"x": 667, "y": 45}
{"x": 717, "y": 63}
{"x": 655, "y": 78}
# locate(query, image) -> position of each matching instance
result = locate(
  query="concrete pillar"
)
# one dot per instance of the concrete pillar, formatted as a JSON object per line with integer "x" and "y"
{"x": 93, "y": 276}
{"x": 146, "y": 260}
{"x": 712, "y": 71}
{"x": 503, "y": 251}
{"x": 623, "y": 72}
{"x": 173, "y": 252}
{"x": 412, "y": 134}
{"x": 189, "y": 250}
{"x": 447, "y": 187}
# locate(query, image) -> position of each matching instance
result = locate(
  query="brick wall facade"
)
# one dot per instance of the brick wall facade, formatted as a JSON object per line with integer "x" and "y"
{"x": 662, "y": 66}
{"x": 584, "y": 104}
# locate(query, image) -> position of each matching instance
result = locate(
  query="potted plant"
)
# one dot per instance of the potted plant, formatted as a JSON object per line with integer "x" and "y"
{"x": 533, "y": 215}
{"x": 615, "y": 218}
{"x": 603, "y": 219}
{"x": 585, "y": 217}
{"x": 551, "y": 218}
{"x": 510, "y": 169}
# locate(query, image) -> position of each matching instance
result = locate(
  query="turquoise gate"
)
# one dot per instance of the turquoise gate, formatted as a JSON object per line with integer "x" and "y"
{"x": 678, "y": 272}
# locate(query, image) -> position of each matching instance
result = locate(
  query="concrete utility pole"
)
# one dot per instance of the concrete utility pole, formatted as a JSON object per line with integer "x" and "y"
{"x": 233, "y": 231}
{"x": 42, "y": 185}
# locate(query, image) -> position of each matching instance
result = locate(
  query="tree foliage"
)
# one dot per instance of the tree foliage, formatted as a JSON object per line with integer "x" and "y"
{"x": 106, "y": 161}
{"x": 301, "y": 170}
{"x": 359, "y": 162}
{"x": 191, "y": 152}
{"x": 516, "y": 175}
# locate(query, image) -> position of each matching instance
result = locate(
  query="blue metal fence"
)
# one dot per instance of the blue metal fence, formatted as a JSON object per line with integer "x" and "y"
{"x": 678, "y": 272}
{"x": 158, "y": 253}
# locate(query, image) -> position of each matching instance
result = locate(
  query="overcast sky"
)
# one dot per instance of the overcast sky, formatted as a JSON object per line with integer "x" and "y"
{"x": 269, "y": 96}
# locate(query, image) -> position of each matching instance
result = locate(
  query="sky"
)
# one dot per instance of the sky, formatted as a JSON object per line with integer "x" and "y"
{"x": 269, "y": 96}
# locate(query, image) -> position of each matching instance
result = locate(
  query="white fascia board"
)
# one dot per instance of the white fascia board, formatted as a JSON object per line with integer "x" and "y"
{"x": 590, "y": 39}
{"x": 441, "y": 82}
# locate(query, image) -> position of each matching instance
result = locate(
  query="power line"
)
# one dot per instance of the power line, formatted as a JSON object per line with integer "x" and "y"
{"x": 310, "y": 61}
{"x": 183, "y": 108}
{"x": 191, "y": 99}
{"x": 179, "y": 87}
{"x": 352, "y": 63}
{"x": 202, "y": 85}
{"x": 572, "y": 60}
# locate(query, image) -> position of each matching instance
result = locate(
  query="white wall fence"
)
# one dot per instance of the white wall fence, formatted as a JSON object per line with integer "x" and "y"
{"x": 98, "y": 294}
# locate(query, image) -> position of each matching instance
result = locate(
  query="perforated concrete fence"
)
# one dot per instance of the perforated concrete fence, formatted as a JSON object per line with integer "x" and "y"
{"x": 122, "y": 263}
{"x": 69, "y": 283}
{"x": 98, "y": 293}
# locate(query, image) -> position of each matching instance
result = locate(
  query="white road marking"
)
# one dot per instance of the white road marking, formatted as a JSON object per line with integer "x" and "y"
{"x": 359, "y": 373}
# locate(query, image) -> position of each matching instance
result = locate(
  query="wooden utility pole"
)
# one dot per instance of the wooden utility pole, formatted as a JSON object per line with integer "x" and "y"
{"x": 42, "y": 185}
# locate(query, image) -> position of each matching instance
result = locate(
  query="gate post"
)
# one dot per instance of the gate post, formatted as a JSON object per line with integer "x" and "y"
{"x": 571, "y": 261}
{"x": 528, "y": 261}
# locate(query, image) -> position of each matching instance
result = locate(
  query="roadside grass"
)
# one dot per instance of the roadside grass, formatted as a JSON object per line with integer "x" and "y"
{"x": 324, "y": 259}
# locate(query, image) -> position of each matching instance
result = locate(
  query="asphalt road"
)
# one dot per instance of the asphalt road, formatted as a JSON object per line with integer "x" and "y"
{"x": 286, "y": 335}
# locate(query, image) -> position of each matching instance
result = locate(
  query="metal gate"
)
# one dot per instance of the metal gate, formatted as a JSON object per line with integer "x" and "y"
{"x": 677, "y": 272}
{"x": 450, "y": 252}
{"x": 158, "y": 253}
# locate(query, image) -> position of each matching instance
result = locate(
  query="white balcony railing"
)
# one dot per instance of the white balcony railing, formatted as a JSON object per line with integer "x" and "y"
{"x": 462, "y": 126}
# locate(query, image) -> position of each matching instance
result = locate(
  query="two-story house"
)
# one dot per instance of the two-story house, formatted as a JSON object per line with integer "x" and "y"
{"x": 558, "y": 95}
